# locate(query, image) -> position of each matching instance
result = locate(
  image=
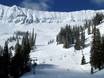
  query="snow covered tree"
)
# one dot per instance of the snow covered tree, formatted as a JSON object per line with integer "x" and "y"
{"x": 97, "y": 19}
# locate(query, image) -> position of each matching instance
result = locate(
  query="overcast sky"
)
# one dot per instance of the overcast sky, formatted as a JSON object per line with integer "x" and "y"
{"x": 57, "y": 5}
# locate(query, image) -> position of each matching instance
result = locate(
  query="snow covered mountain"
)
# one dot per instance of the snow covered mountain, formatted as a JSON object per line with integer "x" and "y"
{"x": 20, "y": 15}
{"x": 54, "y": 61}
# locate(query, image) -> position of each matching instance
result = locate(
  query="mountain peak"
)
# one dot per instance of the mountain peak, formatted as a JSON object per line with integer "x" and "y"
{"x": 20, "y": 15}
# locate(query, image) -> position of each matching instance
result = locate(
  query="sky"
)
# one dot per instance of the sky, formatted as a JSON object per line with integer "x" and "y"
{"x": 57, "y": 5}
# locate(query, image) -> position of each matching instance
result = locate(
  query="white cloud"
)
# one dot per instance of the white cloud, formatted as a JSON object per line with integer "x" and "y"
{"x": 99, "y": 2}
{"x": 36, "y": 4}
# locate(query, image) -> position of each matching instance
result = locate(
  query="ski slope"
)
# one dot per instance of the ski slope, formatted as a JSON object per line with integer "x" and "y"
{"x": 56, "y": 62}
{"x": 53, "y": 60}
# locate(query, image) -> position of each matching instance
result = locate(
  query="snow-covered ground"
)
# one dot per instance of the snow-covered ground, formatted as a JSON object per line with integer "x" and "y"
{"x": 53, "y": 60}
{"x": 56, "y": 62}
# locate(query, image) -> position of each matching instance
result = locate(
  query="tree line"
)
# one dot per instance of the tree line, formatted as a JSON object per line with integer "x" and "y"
{"x": 75, "y": 36}
{"x": 69, "y": 36}
{"x": 15, "y": 66}
{"x": 97, "y": 51}
{"x": 97, "y": 48}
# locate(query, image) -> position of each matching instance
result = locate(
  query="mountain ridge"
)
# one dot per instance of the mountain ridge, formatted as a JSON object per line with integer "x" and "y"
{"x": 20, "y": 15}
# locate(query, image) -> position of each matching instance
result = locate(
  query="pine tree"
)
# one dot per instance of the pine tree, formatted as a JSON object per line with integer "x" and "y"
{"x": 77, "y": 45}
{"x": 26, "y": 47}
{"x": 66, "y": 43}
{"x": 69, "y": 36}
{"x": 97, "y": 19}
{"x": 1, "y": 51}
{"x": 2, "y": 64}
{"x": 92, "y": 70}
{"x": 102, "y": 51}
{"x": 17, "y": 61}
{"x": 6, "y": 56}
{"x": 32, "y": 39}
{"x": 89, "y": 29}
{"x": 96, "y": 50}
{"x": 60, "y": 36}
{"x": 83, "y": 39}
{"x": 83, "y": 61}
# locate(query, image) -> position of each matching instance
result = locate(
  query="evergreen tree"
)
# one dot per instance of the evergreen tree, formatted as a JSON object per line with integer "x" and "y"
{"x": 3, "y": 71}
{"x": 69, "y": 36}
{"x": 66, "y": 42}
{"x": 60, "y": 36}
{"x": 83, "y": 61}
{"x": 33, "y": 38}
{"x": 92, "y": 70}
{"x": 77, "y": 45}
{"x": 21, "y": 59}
{"x": 1, "y": 51}
{"x": 26, "y": 47}
{"x": 97, "y": 19}
{"x": 102, "y": 51}
{"x": 83, "y": 39}
{"x": 6, "y": 56}
{"x": 34, "y": 41}
{"x": 95, "y": 59}
{"x": 89, "y": 29}
{"x": 17, "y": 62}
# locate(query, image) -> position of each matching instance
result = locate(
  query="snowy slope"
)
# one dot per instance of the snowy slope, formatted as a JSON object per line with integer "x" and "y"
{"x": 56, "y": 62}
{"x": 20, "y": 15}
{"x": 53, "y": 60}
